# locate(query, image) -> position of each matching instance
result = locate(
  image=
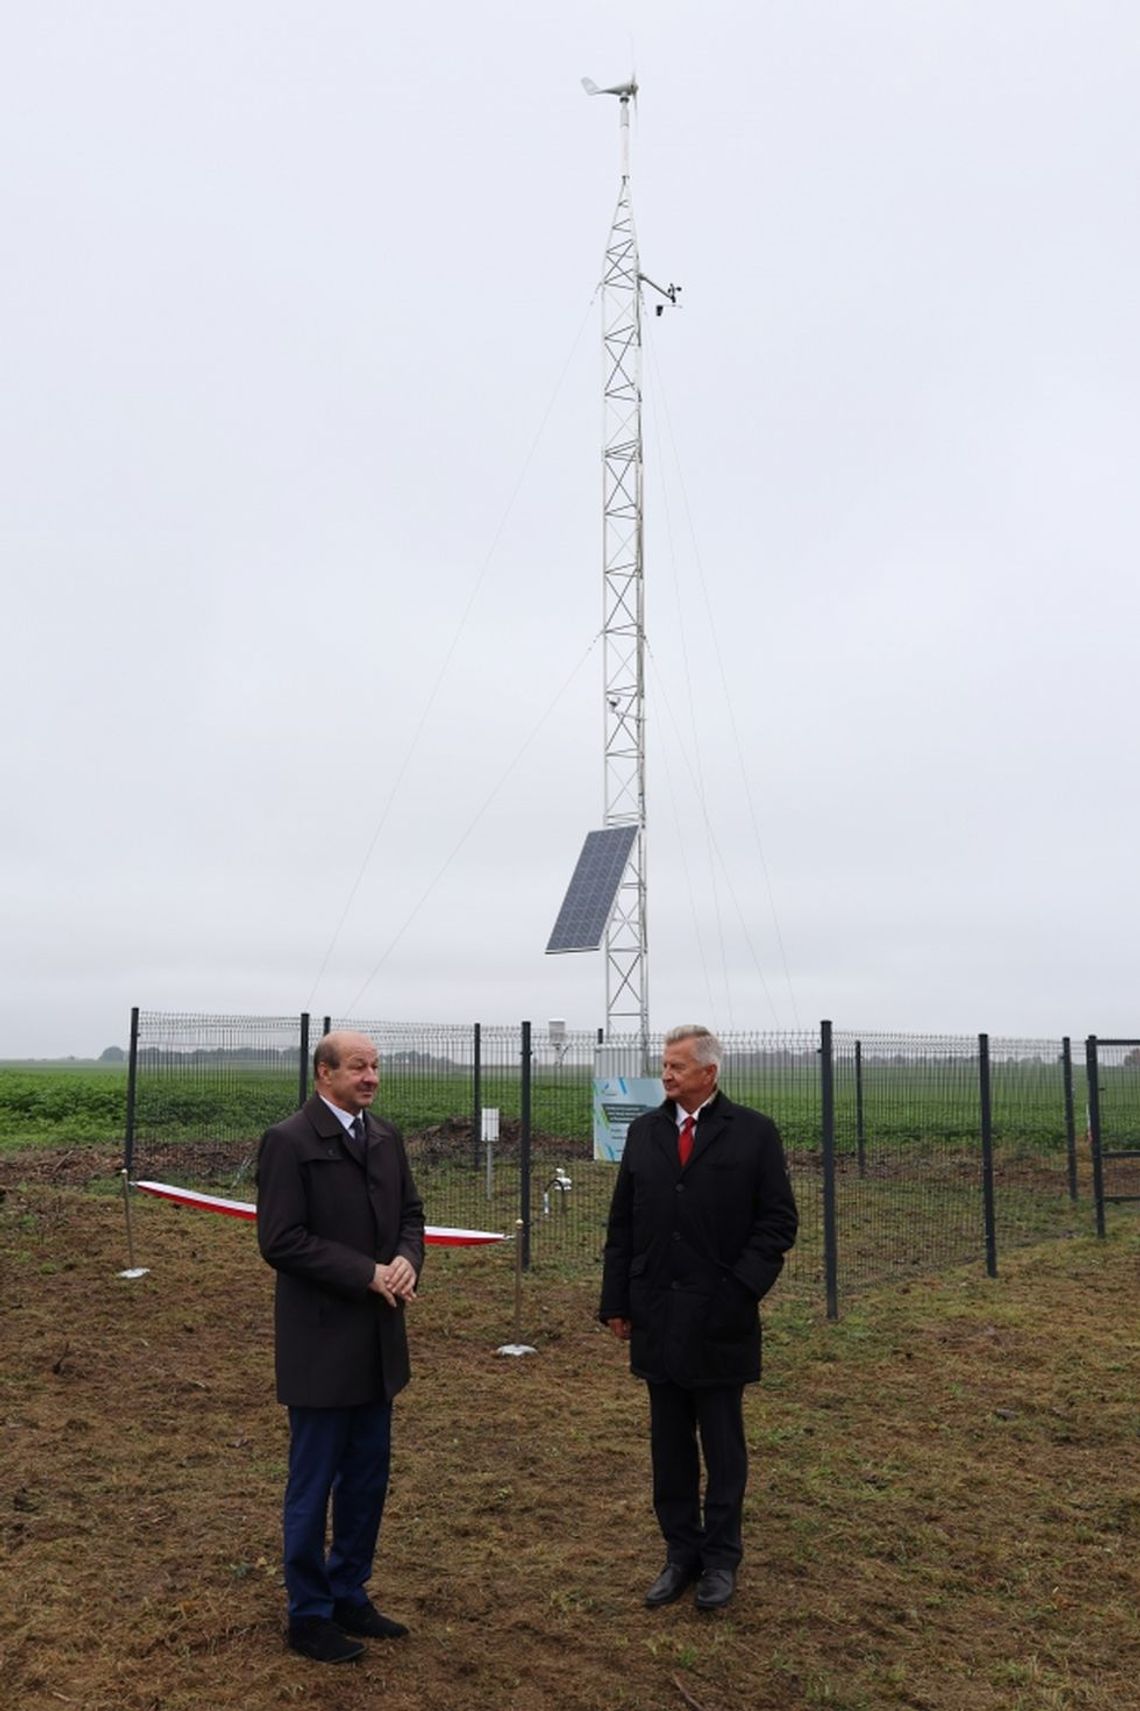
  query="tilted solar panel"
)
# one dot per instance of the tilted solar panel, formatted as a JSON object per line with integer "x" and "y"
{"x": 589, "y": 898}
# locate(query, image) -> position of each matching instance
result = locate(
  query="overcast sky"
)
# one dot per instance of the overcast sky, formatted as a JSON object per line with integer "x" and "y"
{"x": 300, "y": 497}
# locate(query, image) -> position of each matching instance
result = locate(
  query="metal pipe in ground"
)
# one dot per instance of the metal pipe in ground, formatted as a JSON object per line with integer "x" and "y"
{"x": 518, "y": 1347}
{"x": 132, "y": 1270}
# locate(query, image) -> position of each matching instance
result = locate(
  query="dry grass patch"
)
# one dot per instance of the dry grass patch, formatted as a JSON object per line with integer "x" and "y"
{"x": 943, "y": 1512}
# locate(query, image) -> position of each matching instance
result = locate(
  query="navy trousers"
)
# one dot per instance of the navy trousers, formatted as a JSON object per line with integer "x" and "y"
{"x": 693, "y": 1539}
{"x": 343, "y": 1453}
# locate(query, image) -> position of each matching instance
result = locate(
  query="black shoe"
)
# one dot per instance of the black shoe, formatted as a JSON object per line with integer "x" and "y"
{"x": 670, "y": 1583}
{"x": 317, "y": 1638}
{"x": 715, "y": 1587}
{"x": 365, "y": 1620}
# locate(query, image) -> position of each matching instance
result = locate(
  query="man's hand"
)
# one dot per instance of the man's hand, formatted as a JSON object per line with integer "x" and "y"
{"x": 395, "y": 1282}
{"x": 620, "y": 1328}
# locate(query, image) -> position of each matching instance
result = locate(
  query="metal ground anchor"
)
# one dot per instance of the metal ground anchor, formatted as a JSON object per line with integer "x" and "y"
{"x": 132, "y": 1270}
{"x": 518, "y": 1347}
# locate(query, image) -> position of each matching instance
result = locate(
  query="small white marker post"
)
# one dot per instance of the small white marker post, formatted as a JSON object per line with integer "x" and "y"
{"x": 518, "y": 1347}
{"x": 490, "y": 1135}
{"x": 132, "y": 1270}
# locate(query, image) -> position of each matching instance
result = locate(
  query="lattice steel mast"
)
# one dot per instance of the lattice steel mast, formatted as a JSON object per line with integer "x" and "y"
{"x": 623, "y": 609}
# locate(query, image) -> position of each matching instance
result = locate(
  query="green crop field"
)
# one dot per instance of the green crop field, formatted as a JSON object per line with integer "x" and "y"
{"x": 236, "y": 1102}
{"x": 55, "y": 1105}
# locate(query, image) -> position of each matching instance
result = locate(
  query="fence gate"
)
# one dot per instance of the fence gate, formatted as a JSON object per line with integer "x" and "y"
{"x": 1114, "y": 1120}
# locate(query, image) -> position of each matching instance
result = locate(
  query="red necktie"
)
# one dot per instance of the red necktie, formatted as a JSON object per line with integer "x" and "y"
{"x": 685, "y": 1141}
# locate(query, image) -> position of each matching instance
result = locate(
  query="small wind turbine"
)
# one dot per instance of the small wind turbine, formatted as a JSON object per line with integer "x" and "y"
{"x": 623, "y": 90}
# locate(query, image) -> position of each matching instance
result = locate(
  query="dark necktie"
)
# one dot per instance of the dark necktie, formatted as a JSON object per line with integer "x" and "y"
{"x": 356, "y": 1146}
{"x": 685, "y": 1141}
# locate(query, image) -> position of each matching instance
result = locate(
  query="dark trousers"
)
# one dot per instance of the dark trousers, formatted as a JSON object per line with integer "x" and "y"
{"x": 343, "y": 1453}
{"x": 676, "y": 1417}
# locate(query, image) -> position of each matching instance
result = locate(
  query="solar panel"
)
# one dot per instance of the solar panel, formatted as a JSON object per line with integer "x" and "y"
{"x": 590, "y": 895}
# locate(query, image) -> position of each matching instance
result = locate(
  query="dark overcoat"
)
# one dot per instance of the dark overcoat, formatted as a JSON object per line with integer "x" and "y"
{"x": 689, "y": 1253}
{"x": 323, "y": 1226}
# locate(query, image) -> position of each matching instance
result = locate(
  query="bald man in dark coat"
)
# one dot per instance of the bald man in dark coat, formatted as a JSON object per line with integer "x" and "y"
{"x": 339, "y": 1219}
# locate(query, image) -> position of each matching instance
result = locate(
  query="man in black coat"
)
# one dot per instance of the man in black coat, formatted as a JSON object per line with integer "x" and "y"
{"x": 701, "y": 1218}
{"x": 339, "y": 1219}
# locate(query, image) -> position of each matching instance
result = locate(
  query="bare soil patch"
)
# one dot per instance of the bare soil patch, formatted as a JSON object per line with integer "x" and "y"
{"x": 943, "y": 1511}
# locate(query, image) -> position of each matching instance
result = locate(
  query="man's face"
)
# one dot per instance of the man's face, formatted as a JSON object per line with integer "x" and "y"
{"x": 688, "y": 1082}
{"x": 352, "y": 1084}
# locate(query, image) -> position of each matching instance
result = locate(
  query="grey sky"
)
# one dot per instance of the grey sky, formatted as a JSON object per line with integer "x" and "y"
{"x": 288, "y": 293}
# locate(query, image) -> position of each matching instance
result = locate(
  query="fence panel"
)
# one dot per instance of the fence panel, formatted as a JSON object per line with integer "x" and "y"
{"x": 206, "y": 1088}
{"x": 908, "y": 1155}
{"x": 778, "y": 1073}
{"x": 430, "y": 1090}
{"x": 1118, "y": 1118}
{"x": 1031, "y": 1143}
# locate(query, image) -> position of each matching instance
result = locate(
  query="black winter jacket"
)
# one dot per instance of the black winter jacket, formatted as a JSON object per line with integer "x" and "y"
{"x": 689, "y": 1253}
{"x": 322, "y": 1226}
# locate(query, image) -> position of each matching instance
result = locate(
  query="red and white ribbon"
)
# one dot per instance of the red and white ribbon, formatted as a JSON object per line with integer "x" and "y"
{"x": 439, "y": 1234}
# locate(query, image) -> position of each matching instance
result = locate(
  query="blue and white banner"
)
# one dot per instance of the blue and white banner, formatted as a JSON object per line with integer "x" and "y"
{"x": 618, "y": 1099}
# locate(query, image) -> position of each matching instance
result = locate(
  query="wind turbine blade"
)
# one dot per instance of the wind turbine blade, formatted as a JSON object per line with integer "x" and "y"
{"x": 590, "y": 86}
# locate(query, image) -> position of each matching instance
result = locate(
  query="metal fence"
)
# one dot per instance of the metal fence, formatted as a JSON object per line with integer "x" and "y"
{"x": 950, "y": 1148}
{"x": 1113, "y": 1083}
{"x": 908, "y": 1154}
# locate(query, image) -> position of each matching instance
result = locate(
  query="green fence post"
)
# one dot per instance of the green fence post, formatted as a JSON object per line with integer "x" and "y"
{"x": 987, "y": 1153}
{"x": 827, "y": 1126}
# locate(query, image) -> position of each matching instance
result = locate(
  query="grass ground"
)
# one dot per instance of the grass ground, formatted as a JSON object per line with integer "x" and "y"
{"x": 943, "y": 1513}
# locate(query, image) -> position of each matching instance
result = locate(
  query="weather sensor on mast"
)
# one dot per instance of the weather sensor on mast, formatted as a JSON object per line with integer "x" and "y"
{"x": 607, "y": 893}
